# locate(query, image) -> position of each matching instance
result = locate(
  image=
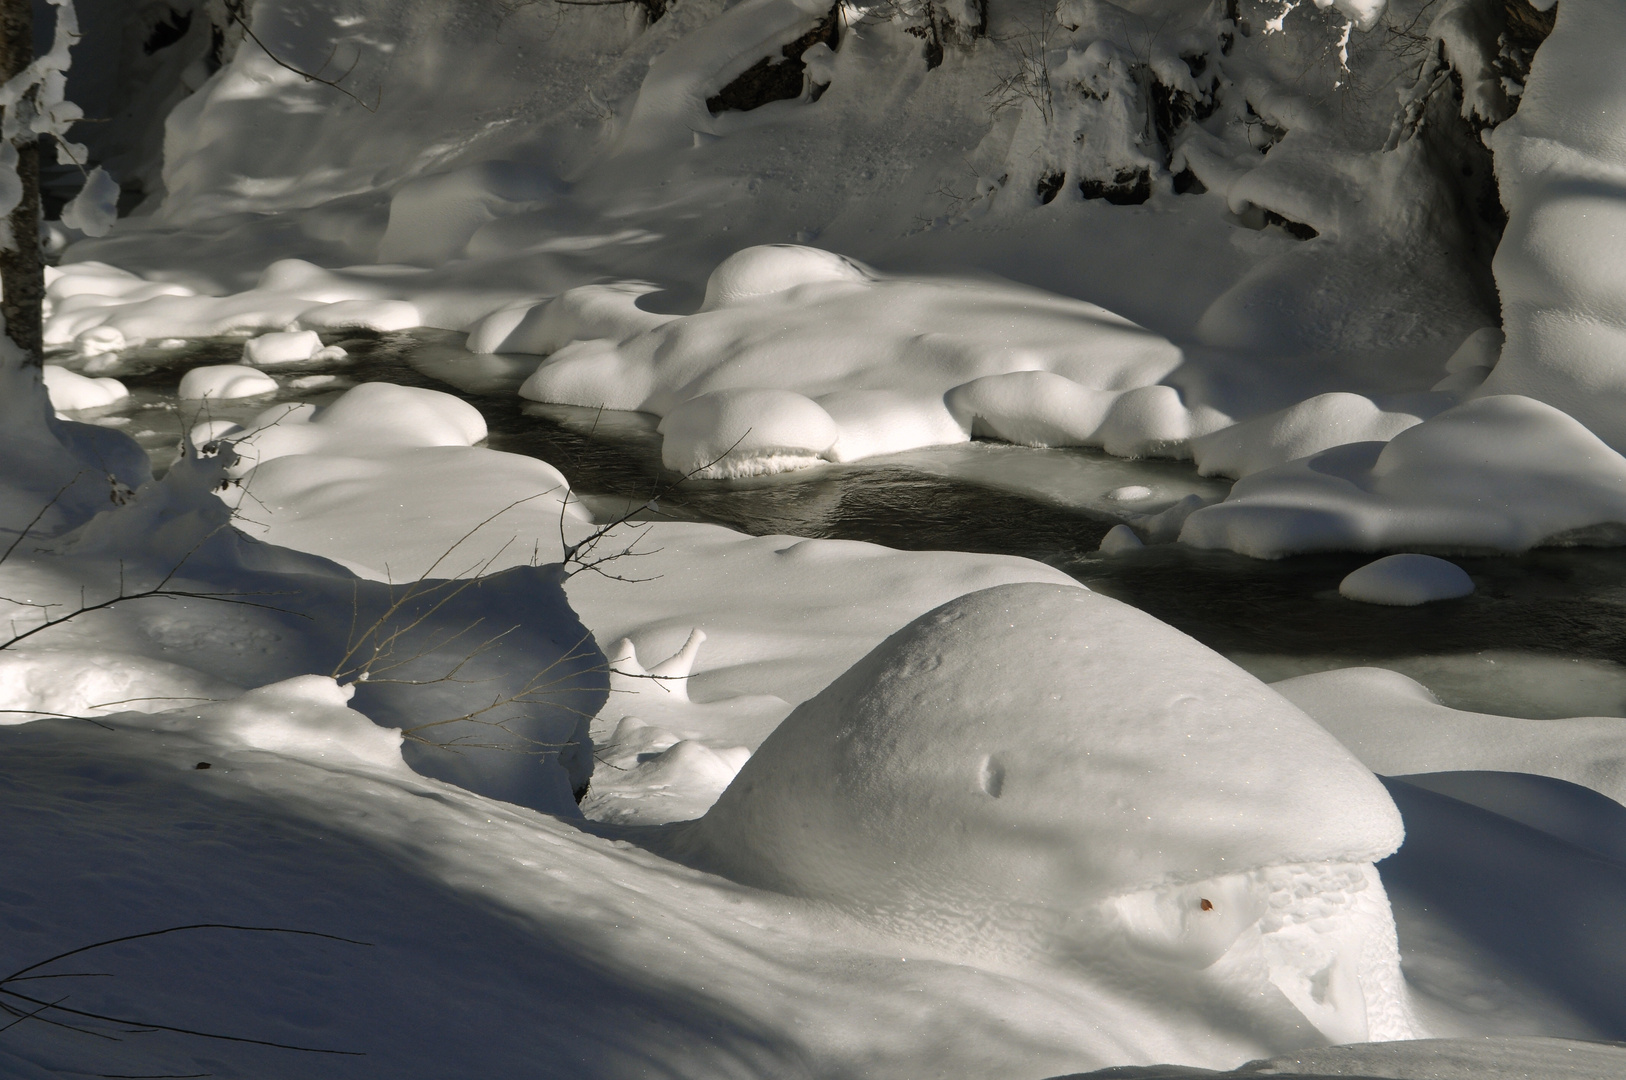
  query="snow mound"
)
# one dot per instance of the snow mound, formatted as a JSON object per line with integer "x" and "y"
{"x": 877, "y": 353}
{"x": 1039, "y": 763}
{"x": 585, "y": 313}
{"x": 1501, "y": 473}
{"x": 70, "y": 390}
{"x": 1396, "y": 727}
{"x": 773, "y": 268}
{"x": 1120, "y": 539}
{"x": 225, "y": 381}
{"x": 365, "y": 417}
{"x": 1313, "y": 425}
{"x": 745, "y": 432}
{"x": 1561, "y": 168}
{"x": 1407, "y": 580}
{"x": 94, "y": 682}
{"x": 284, "y": 347}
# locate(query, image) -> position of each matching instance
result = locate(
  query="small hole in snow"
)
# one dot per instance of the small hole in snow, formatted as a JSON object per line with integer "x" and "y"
{"x": 1207, "y": 904}
{"x": 202, "y": 765}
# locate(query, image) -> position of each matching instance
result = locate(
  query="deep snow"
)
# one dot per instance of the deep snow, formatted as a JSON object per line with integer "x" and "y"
{"x": 852, "y": 811}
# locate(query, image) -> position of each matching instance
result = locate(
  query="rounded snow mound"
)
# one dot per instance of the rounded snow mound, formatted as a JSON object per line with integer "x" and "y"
{"x": 1406, "y": 581}
{"x": 745, "y": 432}
{"x": 69, "y": 390}
{"x": 773, "y": 268}
{"x": 1038, "y": 747}
{"x": 225, "y": 381}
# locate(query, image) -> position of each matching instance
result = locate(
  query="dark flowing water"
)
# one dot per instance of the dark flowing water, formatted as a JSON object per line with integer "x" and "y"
{"x": 1543, "y": 635}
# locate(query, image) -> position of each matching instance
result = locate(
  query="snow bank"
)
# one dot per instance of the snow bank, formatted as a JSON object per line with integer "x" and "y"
{"x": 1499, "y": 473}
{"x": 877, "y": 355}
{"x": 1406, "y": 581}
{"x": 225, "y": 381}
{"x": 1395, "y": 726}
{"x": 1038, "y": 764}
{"x": 1561, "y": 166}
{"x": 70, "y": 390}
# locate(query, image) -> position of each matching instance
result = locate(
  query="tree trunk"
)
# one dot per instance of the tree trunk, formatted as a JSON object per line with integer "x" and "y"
{"x": 22, "y": 274}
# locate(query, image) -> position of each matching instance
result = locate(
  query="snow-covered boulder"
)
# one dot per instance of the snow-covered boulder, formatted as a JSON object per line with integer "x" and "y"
{"x": 1407, "y": 580}
{"x": 282, "y": 347}
{"x": 1499, "y": 473}
{"x": 1038, "y": 766}
{"x": 224, "y": 381}
{"x": 1311, "y": 426}
{"x": 878, "y": 354}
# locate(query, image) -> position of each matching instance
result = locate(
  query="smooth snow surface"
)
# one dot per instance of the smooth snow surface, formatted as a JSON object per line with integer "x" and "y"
{"x": 289, "y": 347}
{"x": 1406, "y": 580}
{"x": 1114, "y": 791}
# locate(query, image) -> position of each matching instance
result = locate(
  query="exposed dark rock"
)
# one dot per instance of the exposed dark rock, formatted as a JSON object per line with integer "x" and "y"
{"x": 1187, "y": 183}
{"x": 1049, "y": 186}
{"x": 777, "y": 80}
{"x": 1129, "y": 187}
{"x": 1296, "y": 229}
{"x": 167, "y": 32}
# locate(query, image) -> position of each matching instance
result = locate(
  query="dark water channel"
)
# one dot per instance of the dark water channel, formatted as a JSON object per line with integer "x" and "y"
{"x": 1543, "y": 635}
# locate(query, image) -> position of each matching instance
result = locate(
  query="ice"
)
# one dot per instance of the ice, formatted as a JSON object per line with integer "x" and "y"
{"x": 288, "y": 347}
{"x": 1397, "y": 727}
{"x": 70, "y": 390}
{"x": 1116, "y": 791}
{"x": 1502, "y": 473}
{"x": 1406, "y": 581}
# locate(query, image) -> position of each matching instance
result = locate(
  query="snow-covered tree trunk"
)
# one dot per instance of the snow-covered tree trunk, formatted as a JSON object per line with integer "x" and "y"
{"x": 21, "y": 272}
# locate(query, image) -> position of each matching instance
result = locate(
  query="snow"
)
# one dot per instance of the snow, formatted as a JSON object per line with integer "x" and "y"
{"x": 1501, "y": 473}
{"x": 1406, "y": 581}
{"x": 287, "y": 347}
{"x": 226, "y": 381}
{"x": 70, "y": 390}
{"x": 1561, "y": 164}
{"x": 1189, "y": 816}
{"x": 853, "y": 811}
{"x": 1396, "y": 727}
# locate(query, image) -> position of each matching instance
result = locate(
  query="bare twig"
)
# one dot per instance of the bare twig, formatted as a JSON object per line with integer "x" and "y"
{"x": 314, "y": 76}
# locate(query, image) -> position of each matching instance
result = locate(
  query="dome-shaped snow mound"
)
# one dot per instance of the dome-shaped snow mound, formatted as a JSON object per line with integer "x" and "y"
{"x": 1406, "y": 581}
{"x": 1039, "y": 747}
{"x": 773, "y": 268}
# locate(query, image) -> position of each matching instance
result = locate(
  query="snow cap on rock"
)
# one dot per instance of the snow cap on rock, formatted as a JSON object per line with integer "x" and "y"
{"x": 1036, "y": 748}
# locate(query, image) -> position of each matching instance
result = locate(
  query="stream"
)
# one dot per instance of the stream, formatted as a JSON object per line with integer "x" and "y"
{"x": 1544, "y": 634}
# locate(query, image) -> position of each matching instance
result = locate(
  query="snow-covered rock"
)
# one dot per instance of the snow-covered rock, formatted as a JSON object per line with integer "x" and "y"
{"x": 283, "y": 347}
{"x": 1040, "y": 766}
{"x": 1499, "y": 473}
{"x": 226, "y": 381}
{"x": 878, "y": 354}
{"x": 1406, "y": 580}
{"x": 1313, "y": 425}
